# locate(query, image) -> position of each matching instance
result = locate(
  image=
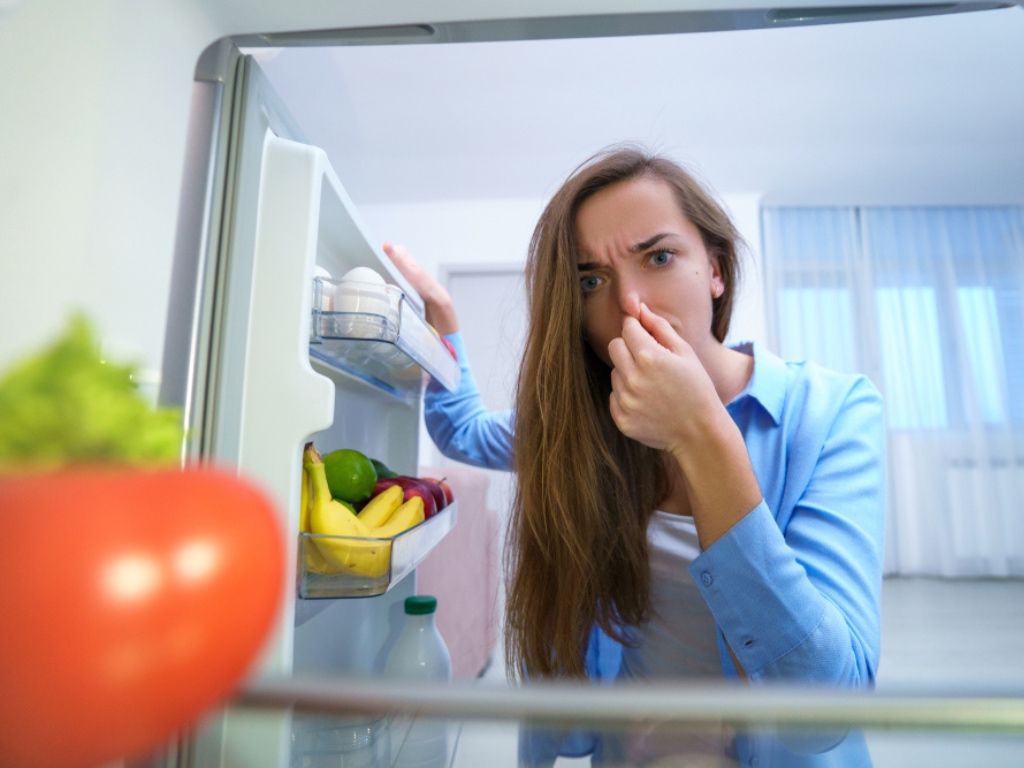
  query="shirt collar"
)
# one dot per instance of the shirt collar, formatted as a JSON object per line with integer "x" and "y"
{"x": 767, "y": 385}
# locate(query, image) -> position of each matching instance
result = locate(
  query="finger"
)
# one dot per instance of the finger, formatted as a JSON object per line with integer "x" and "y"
{"x": 410, "y": 269}
{"x": 642, "y": 346}
{"x": 618, "y": 384}
{"x": 621, "y": 357}
{"x": 660, "y": 329}
{"x": 620, "y": 413}
{"x": 634, "y": 334}
{"x": 397, "y": 253}
{"x": 624, "y": 389}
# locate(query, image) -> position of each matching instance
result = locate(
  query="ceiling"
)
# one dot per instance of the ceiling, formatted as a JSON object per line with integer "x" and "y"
{"x": 926, "y": 110}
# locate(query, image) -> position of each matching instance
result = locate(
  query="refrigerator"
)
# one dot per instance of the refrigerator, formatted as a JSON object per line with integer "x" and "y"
{"x": 261, "y": 363}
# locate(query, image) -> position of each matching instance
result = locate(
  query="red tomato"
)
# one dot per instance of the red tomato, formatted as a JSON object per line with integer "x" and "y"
{"x": 131, "y": 602}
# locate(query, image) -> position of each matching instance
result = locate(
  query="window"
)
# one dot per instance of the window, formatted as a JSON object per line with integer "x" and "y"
{"x": 929, "y": 303}
{"x": 911, "y": 350}
{"x": 829, "y": 341}
{"x": 925, "y": 301}
{"x": 982, "y": 338}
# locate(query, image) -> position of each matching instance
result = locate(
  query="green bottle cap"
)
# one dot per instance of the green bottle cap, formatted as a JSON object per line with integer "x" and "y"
{"x": 418, "y": 605}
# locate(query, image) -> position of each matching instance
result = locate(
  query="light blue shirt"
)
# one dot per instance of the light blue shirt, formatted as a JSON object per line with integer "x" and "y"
{"x": 795, "y": 586}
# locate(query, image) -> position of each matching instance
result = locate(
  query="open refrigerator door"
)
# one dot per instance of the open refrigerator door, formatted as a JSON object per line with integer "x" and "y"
{"x": 282, "y": 355}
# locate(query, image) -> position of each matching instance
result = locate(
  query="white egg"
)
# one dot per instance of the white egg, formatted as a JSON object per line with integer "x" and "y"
{"x": 363, "y": 275}
{"x": 362, "y": 290}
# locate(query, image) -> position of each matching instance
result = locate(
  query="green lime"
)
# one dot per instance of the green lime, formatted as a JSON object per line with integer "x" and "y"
{"x": 350, "y": 475}
{"x": 382, "y": 469}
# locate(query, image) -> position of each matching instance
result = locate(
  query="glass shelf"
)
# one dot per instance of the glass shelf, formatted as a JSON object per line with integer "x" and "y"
{"x": 377, "y": 564}
{"x": 388, "y": 346}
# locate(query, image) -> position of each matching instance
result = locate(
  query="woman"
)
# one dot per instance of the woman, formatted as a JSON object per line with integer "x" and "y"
{"x": 717, "y": 511}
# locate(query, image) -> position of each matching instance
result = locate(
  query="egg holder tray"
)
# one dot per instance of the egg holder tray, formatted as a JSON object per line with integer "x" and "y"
{"x": 381, "y": 563}
{"x": 389, "y": 345}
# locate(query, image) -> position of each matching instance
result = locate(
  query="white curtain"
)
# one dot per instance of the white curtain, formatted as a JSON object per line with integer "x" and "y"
{"x": 929, "y": 303}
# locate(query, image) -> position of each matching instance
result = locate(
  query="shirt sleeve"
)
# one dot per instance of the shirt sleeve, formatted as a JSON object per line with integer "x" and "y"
{"x": 461, "y": 426}
{"x": 801, "y": 601}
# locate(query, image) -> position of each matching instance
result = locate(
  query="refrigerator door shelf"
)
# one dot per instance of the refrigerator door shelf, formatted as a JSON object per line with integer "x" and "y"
{"x": 376, "y": 564}
{"x": 387, "y": 347}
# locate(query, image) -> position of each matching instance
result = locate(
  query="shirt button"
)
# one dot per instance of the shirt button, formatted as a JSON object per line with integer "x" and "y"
{"x": 707, "y": 579}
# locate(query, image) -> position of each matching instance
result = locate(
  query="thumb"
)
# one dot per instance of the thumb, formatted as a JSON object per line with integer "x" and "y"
{"x": 660, "y": 330}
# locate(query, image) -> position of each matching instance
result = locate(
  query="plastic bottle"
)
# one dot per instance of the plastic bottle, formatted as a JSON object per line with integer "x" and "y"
{"x": 419, "y": 653}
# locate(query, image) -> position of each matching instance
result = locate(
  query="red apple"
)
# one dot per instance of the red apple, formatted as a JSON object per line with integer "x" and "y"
{"x": 449, "y": 495}
{"x": 437, "y": 492}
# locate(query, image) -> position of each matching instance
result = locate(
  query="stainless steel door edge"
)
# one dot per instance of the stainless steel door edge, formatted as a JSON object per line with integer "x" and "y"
{"x": 205, "y": 185}
{"x": 627, "y": 704}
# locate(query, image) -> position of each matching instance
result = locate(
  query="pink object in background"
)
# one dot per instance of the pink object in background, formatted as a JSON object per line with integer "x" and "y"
{"x": 463, "y": 571}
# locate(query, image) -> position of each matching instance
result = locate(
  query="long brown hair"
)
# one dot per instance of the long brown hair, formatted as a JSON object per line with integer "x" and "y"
{"x": 577, "y": 552}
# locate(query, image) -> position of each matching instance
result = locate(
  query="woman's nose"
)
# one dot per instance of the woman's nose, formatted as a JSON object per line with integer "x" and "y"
{"x": 629, "y": 298}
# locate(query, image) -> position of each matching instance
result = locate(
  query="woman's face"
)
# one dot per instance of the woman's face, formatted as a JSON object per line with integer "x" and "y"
{"x": 635, "y": 245}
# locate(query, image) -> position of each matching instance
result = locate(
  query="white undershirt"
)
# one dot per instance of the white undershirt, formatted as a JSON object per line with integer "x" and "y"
{"x": 679, "y": 640}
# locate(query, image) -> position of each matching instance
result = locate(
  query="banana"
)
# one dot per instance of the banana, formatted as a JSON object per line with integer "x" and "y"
{"x": 405, "y": 517}
{"x": 314, "y": 560}
{"x": 380, "y": 508}
{"x": 356, "y": 554}
{"x": 304, "y": 502}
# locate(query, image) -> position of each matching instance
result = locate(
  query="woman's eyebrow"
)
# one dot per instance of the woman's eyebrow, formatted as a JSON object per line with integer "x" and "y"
{"x": 649, "y": 242}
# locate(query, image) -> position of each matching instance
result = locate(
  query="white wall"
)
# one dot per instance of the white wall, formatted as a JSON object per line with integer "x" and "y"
{"x": 748, "y": 318}
{"x": 95, "y": 100}
{"x": 492, "y": 231}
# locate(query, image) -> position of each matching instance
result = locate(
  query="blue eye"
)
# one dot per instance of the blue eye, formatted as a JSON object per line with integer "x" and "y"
{"x": 661, "y": 258}
{"x": 589, "y": 283}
